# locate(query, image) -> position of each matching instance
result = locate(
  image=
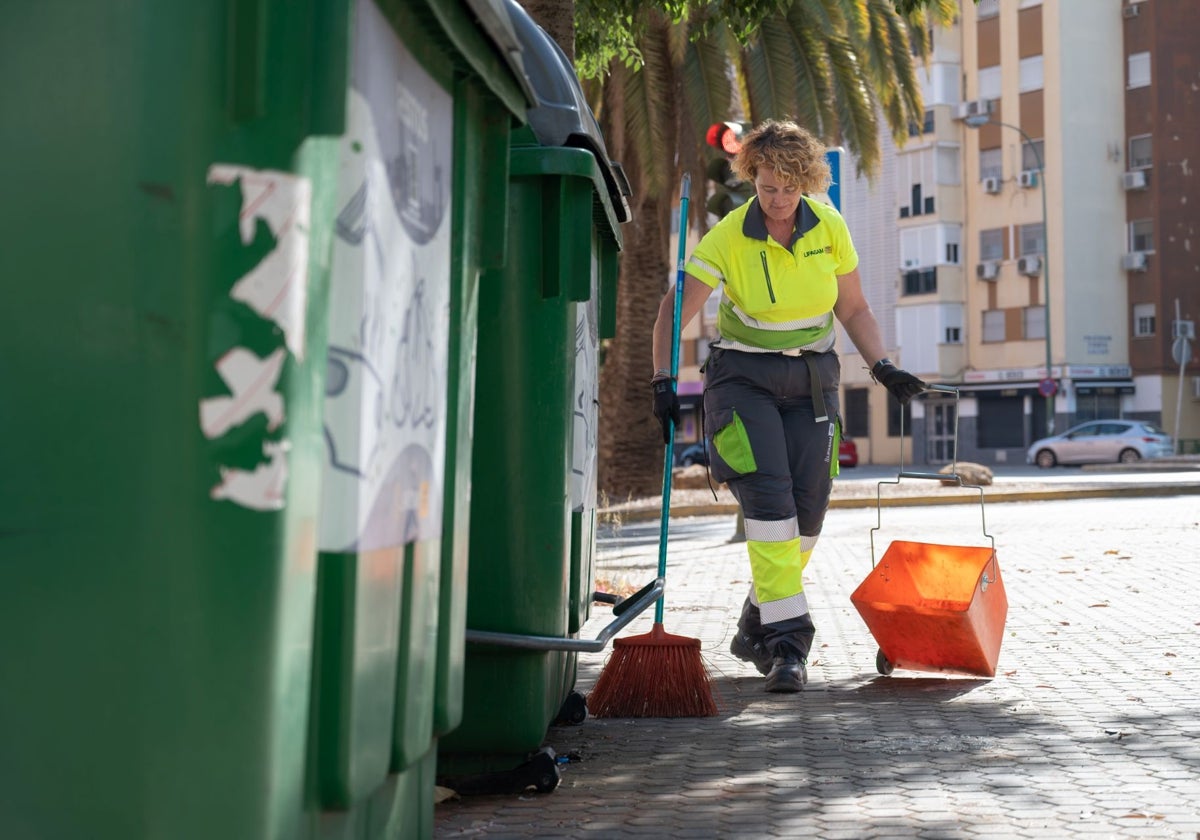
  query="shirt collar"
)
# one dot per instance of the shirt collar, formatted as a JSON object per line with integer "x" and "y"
{"x": 755, "y": 223}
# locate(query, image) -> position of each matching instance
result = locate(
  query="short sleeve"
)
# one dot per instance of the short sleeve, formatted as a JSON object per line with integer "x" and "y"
{"x": 709, "y": 260}
{"x": 843, "y": 248}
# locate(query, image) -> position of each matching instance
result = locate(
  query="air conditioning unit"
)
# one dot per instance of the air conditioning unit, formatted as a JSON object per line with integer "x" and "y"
{"x": 991, "y": 185}
{"x": 1135, "y": 179}
{"x": 1183, "y": 329}
{"x": 1130, "y": 11}
{"x": 987, "y": 270}
{"x": 974, "y": 108}
{"x": 1028, "y": 178}
{"x": 1030, "y": 266}
{"x": 1134, "y": 261}
{"x": 910, "y": 263}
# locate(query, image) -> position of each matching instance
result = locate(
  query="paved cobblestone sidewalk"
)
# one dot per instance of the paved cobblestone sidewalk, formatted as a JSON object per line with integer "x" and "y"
{"x": 1091, "y": 727}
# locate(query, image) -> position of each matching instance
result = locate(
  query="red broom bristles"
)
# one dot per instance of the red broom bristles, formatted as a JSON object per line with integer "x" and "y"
{"x": 657, "y": 674}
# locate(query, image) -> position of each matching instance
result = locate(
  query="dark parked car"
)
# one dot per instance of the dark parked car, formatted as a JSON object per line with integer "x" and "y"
{"x": 1102, "y": 442}
{"x": 693, "y": 453}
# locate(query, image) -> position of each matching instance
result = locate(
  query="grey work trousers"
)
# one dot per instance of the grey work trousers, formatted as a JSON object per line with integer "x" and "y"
{"x": 775, "y": 446}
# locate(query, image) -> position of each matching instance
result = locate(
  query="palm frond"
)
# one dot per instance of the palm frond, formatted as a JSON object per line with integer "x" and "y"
{"x": 707, "y": 85}
{"x": 647, "y": 89}
{"x": 904, "y": 102}
{"x": 856, "y": 105}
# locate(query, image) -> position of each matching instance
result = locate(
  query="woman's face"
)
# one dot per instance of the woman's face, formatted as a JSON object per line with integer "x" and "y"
{"x": 778, "y": 200}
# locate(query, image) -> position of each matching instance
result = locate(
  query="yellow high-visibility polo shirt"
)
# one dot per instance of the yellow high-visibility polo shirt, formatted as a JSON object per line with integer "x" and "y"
{"x": 776, "y": 297}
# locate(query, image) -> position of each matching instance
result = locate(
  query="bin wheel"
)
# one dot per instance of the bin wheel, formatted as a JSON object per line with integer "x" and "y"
{"x": 882, "y": 665}
{"x": 545, "y": 772}
{"x": 574, "y": 709}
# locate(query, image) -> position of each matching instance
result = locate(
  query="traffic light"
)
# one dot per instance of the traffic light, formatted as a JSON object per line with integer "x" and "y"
{"x": 726, "y": 136}
{"x": 728, "y": 192}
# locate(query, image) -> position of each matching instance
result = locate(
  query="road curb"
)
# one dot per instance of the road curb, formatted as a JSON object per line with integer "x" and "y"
{"x": 991, "y": 496}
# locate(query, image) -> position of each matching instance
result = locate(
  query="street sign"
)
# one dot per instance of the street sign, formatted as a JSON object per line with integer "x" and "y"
{"x": 1181, "y": 350}
{"x": 1047, "y": 387}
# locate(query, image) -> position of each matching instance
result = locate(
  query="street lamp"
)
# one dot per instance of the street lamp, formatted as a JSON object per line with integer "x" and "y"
{"x": 1047, "y": 387}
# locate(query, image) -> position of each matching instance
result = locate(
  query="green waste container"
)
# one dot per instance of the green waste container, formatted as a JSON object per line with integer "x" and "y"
{"x": 165, "y": 280}
{"x": 534, "y": 458}
{"x": 187, "y": 647}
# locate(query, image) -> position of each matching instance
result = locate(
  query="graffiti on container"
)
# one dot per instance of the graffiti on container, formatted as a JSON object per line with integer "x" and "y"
{"x": 414, "y": 390}
{"x": 261, "y": 488}
{"x": 586, "y": 407}
{"x": 251, "y": 382}
{"x": 277, "y": 289}
{"x": 386, "y": 380}
{"x": 420, "y": 206}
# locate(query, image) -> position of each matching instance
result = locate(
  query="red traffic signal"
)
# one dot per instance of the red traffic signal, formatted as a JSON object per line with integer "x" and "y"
{"x": 726, "y": 136}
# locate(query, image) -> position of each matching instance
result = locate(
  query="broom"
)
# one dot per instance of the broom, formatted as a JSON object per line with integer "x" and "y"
{"x": 658, "y": 674}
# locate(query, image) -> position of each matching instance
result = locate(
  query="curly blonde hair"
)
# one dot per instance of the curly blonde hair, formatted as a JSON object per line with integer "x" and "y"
{"x": 793, "y": 153}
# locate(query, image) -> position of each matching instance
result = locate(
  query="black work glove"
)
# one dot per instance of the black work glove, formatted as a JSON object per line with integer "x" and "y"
{"x": 666, "y": 406}
{"x": 902, "y": 384}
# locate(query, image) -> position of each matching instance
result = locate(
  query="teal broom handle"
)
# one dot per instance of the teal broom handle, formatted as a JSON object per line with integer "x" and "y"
{"x": 669, "y": 460}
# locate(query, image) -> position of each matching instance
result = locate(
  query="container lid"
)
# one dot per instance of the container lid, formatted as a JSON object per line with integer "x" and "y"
{"x": 560, "y": 115}
{"x": 494, "y": 19}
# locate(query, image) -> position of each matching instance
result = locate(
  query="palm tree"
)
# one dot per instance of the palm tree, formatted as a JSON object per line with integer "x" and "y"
{"x": 834, "y": 65}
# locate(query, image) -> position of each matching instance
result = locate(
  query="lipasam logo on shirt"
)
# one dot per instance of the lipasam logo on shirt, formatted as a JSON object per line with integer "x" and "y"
{"x": 828, "y": 249}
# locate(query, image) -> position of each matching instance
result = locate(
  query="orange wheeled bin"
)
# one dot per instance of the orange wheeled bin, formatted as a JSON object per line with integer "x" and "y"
{"x": 935, "y": 607}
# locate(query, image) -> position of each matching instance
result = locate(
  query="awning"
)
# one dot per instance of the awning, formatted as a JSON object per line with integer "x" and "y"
{"x": 996, "y": 389}
{"x": 1105, "y": 386}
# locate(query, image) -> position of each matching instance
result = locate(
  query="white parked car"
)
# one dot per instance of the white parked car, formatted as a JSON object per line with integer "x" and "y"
{"x": 1102, "y": 442}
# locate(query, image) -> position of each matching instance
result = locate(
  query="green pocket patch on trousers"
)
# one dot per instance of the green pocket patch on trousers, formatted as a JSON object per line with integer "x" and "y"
{"x": 733, "y": 445}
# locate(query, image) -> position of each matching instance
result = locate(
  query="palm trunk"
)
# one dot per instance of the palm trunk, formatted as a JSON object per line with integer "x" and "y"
{"x": 631, "y": 448}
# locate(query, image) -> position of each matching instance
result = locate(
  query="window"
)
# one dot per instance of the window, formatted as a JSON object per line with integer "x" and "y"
{"x": 917, "y": 204}
{"x": 920, "y": 281}
{"x": 925, "y": 127}
{"x": 1143, "y": 320}
{"x": 1031, "y": 239}
{"x": 1140, "y": 152}
{"x": 1141, "y": 235}
{"x": 989, "y": 82}
{"x": 987, "y": 9}
{"x": 895, "y": 413}
{"x": 855, "y": 416}
{"x": 1030, "y": 74}
{"x": 1033, "y": 322}
{"x": 952, "y": 253}
{"x": 953, "y": 335}
{"x": 1033, "y": 155}
{"x": 991, "y": 163}
{"x": 991, "y": 244}
{"x": 993, "y": 325}
{"x": 946, "y": 162}
{"x": 1139, "y": 70}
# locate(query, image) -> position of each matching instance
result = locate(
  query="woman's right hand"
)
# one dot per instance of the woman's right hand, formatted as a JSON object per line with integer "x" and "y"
{"x": 666, "y": 406}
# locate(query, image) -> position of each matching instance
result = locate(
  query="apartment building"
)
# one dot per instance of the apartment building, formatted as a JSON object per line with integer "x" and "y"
{"x": 1042, "y": 228}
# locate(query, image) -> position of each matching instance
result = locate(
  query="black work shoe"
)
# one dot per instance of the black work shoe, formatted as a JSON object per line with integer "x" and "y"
{"x": 788, "y": 674}
{"x": 749, "y": 650}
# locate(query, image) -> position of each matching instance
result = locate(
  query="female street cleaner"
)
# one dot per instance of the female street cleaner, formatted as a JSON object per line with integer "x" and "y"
{"x": 786, "y": 267}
